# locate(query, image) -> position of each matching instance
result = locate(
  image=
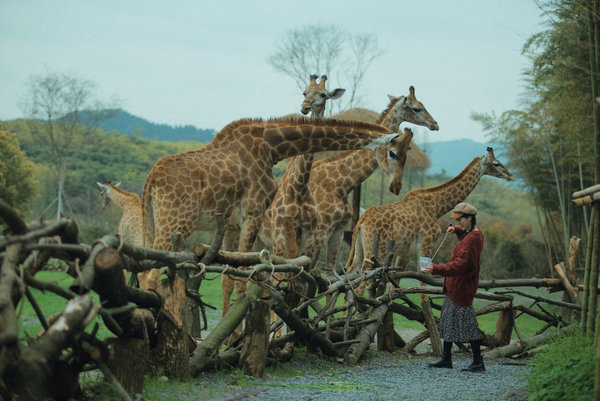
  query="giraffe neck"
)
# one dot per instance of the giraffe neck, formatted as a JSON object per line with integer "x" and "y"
{"x": 296, "y": 177}
{"x": 363, "y": 163}
{"x": 456, "y": 190}
{"x": 122, "y": 199}
{"x": 284, "y": 138}
{"x": 390, "y": 118}
{"x": 353, "y": 166}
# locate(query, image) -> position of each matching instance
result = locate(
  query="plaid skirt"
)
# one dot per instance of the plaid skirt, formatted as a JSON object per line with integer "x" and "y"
{"x": 458, "y": 323}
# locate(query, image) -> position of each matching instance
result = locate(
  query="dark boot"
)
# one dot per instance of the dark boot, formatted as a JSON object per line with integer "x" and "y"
{"x": 446, "y": 361}
{"x": 477, "y": 365}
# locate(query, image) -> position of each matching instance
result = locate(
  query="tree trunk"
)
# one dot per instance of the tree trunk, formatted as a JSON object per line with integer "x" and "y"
{"x": 386, "y": 339}
{"x": 128, "y": 360}
{"x": 366, "y": 335}
{"x": 504, "y": 326}
{"x": 256, "y": 339}
{"x": 210, "y": 346}
{"x": 61, "y": 185}
{"x": 171, "y": 355}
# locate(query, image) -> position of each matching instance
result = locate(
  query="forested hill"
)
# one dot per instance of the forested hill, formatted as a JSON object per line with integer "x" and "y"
{"x": 128, "y": 124}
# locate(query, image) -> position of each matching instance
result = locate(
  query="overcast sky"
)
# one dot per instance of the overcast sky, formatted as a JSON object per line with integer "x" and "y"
{"x": 204, "y": 63}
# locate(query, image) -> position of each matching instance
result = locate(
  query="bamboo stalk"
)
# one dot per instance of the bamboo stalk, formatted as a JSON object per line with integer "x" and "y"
{"x": 586, "y": 275}
{"x": 593, "y": 284}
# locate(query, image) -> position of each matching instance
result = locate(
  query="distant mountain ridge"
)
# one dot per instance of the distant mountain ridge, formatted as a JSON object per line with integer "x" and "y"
{"x": 453, "y": 156}
{"x": 128, "y": 124}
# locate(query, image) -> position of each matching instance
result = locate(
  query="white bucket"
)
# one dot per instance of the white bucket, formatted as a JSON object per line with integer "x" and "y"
{"x": 424, "y": 261}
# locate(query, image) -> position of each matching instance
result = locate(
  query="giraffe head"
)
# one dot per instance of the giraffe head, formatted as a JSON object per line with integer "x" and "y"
{"x": 105, "y": 192}
{"x": 408, "y": 108}
{"x": 392, "y": 157}
{"x": 315, "y": 96}
{"x": 491, "y": 166}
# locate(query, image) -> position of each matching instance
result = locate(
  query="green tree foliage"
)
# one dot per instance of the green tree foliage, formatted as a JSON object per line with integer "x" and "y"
{"x": 17, "y": 183}
{"x": 548, "y": 141}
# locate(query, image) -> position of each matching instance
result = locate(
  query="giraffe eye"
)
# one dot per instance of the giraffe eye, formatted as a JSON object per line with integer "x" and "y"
{"x": 304, "y": 94}
{"x": 323, "y": 95}
{"x": 417, "y": 110}
{"x": 393, "y": 155}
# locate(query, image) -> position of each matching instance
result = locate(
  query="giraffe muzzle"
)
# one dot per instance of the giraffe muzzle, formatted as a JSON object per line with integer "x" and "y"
{"x": 395, "y": 187}
{"x": 305, "y": 108}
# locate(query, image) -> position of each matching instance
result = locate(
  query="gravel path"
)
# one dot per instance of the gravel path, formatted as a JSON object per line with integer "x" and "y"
{"x": 380, "y": 376}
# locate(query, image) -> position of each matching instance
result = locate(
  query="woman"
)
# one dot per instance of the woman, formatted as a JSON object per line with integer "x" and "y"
{"x": 461, "y": 277}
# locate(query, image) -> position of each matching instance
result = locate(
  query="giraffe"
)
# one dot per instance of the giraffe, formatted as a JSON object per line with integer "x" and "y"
{"x": 188, "y": 191}
{"x": 292, "y": 208}
{"x": 130, "y": 225}
{"x": 415, "y": 216}
{"x": 332, "y": 179}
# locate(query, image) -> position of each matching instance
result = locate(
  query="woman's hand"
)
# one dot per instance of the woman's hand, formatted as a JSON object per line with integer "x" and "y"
{"x": 450, "y": 229}
{"x": 428, "y": 269}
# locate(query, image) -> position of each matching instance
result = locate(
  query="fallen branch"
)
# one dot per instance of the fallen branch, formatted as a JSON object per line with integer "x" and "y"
{"x": 518, "y": 347}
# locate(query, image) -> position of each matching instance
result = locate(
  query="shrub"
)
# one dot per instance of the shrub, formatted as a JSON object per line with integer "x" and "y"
{"x": 564, "y": 370}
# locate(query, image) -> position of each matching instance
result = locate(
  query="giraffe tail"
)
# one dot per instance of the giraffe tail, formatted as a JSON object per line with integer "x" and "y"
{"x": 147, "y": 215}
{"x": 350, "y": 265}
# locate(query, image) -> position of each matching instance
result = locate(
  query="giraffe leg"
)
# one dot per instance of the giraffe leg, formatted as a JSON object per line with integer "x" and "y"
{"x": 334, "y": 244}
{"x": 226, "y": 291}
{"x": 315, "y": 244}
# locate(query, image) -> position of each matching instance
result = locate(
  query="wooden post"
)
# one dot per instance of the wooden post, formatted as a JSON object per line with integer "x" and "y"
{"x": 387, "y": 338}
{"x": 128, "y": 359}
{"x": 171, "y": 355}
{"x": 504, "y": 325}
{"x": 256, "y": 338}
{"x": 386, "y": 341}
{"x": 434, "y": 335}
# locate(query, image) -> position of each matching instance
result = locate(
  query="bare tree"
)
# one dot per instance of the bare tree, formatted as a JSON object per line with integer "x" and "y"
{"x": 364, "y": 50}
{"x": 329, "y": 50}
{"x": 63, "y": 112}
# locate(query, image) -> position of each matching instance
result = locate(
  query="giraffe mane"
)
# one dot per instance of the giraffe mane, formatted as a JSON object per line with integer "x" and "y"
{"x": 123, "y": 192}
{"x": 388, "y": 108}
{"x": 316, "y": 121}
{"x": 446, "y": 184}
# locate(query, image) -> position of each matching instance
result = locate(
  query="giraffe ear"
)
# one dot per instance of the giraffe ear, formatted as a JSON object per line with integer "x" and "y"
{"x": 336, "y": 93}
{"x": 118, "y": 185}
